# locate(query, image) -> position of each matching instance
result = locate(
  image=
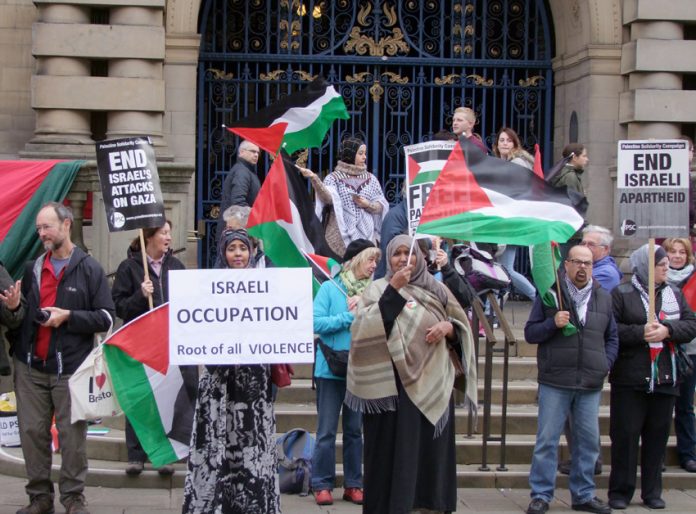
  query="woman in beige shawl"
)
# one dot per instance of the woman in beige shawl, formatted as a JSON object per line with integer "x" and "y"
{"x": 411, "y": 340}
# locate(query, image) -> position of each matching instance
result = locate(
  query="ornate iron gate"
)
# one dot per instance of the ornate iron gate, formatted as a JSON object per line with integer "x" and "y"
{"x": 402, "y": 66}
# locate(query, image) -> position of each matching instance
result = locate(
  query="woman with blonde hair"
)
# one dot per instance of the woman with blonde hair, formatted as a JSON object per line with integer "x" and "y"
{"x": 681, "y": 269}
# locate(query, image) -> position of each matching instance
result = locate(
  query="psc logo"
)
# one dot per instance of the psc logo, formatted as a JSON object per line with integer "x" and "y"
{"x": 628, "y": 227}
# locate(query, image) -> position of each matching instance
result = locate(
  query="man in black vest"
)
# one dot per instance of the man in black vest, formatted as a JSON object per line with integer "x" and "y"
{"x": 573, "y": 362}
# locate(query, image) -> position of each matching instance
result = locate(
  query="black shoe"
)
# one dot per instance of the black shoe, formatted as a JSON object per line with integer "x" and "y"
{"x": 537, "y": 506}
{"x": 690, "y": 466}
{"x": 654, "y": 503}
{"x": 618, "y": 503}
{"x": 594, "y": 505}
{"x": 564, "y": 467}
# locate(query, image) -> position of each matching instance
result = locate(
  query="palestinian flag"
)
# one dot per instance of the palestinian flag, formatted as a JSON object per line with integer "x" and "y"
{"x": 158, "y": 399}
{"x": 24, "y": 187}
{"x": 689, "y": 291}
{"x": 325, "y": 265}
{"x": 425, "y": 166}
{"x": 298, "y": 121}
{"x": 538, "y": 168}
{"x": 283, "y": 218}
{"x": 485, "y": 199}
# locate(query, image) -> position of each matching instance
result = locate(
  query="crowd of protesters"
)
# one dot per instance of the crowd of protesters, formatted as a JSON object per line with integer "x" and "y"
{"x": 409, "y": 343}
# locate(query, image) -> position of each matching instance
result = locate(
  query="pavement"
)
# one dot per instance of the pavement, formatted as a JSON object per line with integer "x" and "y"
{"x": 104, "y": 500}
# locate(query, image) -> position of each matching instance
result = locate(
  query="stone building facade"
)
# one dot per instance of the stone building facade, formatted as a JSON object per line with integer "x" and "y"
{"x": 75, "y": 70}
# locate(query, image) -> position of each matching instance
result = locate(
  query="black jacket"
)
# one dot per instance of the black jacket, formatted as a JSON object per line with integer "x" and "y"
{"x": 581, "y": 360}
{"x": 84, "y": 291}
{"x": 126, "y": 292}
{"x": 632, "y": 367}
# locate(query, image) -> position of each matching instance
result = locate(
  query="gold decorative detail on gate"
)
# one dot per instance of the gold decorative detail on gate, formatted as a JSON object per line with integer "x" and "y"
{"x": 469, "y": 30}
{"x": 531, "y": 81}
{"x": 363, "y": 13}
{"x": 395, "y": 78}
{"x": 390, "y": 13}
{"x": 362, "y": 44}
{"x": 376, "y": 91}
{"x": 277, "y": 74}
{"x": 447, "y": 79}
{"x": 357, "y": 77}
{"x": 289, "y": 29}
{"x": 479, "y": 80}
{"x": 219, "y": 74}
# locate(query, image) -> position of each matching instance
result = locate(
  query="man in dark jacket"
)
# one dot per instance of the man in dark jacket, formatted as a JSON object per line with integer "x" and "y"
{"x": 573, "y": 362}
{"x": 241, "y": 184}
{"x": 67, "y": 302}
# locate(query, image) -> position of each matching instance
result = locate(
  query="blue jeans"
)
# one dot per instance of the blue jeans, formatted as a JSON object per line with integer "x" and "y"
{"x": 330, "y": 394}
{"x": 684, "y": 420}
{"x": 519, "y": 281}
{"x": 555, "y": 404}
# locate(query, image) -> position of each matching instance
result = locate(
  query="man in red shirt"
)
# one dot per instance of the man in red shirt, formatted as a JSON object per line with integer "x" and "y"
{"x": 68, "y": 300}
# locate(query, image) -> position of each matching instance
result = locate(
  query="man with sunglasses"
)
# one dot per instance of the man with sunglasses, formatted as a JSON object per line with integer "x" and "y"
{"x": 578, "y": 343}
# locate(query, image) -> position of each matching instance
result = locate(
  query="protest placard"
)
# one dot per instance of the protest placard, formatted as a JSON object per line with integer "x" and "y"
{"x": 241, "y": 316}
{"x": 652, "y": 185}
{"x": 130, "y": 184}
{"x": 424, "y": 162}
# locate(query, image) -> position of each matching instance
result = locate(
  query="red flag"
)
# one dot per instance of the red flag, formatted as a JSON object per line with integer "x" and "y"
{"x": 538, "y": 170}
{"x": 689, "y": 291}
{"x": 146, "y": 338}
{"x": 268, "y": 138}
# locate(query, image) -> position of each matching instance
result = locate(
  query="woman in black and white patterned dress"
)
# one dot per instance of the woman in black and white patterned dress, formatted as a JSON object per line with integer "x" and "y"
{"x": 232, "y": 466}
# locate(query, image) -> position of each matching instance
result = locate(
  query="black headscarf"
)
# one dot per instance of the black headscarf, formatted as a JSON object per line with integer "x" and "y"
{"x": 349, "y": 149}
{"x": 227, "y": 237}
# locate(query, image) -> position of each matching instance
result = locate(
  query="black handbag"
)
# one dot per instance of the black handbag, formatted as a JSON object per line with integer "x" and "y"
{"x": 685, "y": 366}
{"x": 336, "y": 359}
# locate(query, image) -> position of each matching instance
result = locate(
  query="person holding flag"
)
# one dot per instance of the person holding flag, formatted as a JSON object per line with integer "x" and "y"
{"x": 350, "y": 201}
{"x": 411, "y": 339}
{"x": 680, "y": 272}
{"x": 130, "y": 292}
{"x": 644, "y": 380}
{"x": 572, "y": 366}
{"x": 334, "y": 309}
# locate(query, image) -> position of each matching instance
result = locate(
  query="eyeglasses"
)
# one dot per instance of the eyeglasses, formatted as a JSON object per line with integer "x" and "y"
{"x": 590, "y": 244}
{"x": 46, "y": 227}
{"x": 578, "y": 262}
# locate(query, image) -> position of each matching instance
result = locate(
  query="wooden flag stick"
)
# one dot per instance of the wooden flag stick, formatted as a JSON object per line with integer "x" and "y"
{"x": 145, "y": 267}
{"x": 651, "y": 280}
{"x": 555, "y": 274}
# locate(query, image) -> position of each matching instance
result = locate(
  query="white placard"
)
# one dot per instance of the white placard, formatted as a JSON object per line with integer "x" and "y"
{"x": 241, "y": 316}
{"x": 652, "y": 183}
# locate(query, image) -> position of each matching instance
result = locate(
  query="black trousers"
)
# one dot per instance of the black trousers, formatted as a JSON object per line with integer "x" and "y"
{"x": 135, "y": 451}
{"x": 638, "y": 416}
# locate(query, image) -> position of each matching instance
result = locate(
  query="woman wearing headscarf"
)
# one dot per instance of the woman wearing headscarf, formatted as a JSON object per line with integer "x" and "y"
{"x": 410, "y": 340}
{"x": 232, "y": 467}
{"x": 350, "y": 201}
{"x": 644, "y": 380}
{"x": 334, "y": 308}
{"x": 681, "y": 268}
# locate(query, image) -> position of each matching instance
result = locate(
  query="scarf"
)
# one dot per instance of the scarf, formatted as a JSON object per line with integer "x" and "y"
{"x": 580, "y": 297}
{"x": 677, "y": 277}
{"x": 354, "y": 286}
{"x": 225, "y": 239}
{"x": 669, "y": 310}
{"x": 354, "y": 222}
{"x": 425, "y": 370}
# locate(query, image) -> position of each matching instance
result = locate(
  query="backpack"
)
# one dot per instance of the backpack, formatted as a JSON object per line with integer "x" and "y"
{"x": 479, "y": 268}
{"x": 295, "y": 449}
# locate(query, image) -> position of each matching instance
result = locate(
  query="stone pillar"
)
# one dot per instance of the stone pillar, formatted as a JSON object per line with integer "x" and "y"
{"x": 58, "y": 125}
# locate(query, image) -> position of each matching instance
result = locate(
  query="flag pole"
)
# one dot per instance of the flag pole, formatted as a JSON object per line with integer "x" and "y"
{"x": 145, "y": 268}
{"x": 410, "y": 250}
{"x": 555, "y": 273}
{"x": 324, "y": 272}
{"x": 651, "y": 280}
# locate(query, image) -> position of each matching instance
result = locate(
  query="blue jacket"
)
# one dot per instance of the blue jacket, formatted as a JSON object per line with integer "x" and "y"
{"x": 332, "y": 322}
{"x": 607, "y": 273}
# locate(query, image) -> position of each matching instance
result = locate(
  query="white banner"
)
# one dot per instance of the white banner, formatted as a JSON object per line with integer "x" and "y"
{"x": 652, "y": 184}
{"x": 241, "y": 316}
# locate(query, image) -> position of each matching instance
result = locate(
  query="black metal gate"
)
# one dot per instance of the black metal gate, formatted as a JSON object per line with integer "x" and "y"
{"x": 402, "y": 66}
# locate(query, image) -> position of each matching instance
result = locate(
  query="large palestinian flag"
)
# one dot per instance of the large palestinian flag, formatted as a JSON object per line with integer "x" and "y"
{"x": 298, "y": 121}
{"x": 158, "y": 399}
{"x": 283, "y": 218}
{"x": 485, "y": 199}
{"x": 24, "y": 187}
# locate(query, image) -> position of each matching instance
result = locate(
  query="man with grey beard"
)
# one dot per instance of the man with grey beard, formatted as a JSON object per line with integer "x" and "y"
{"x": 68, "y": 300}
